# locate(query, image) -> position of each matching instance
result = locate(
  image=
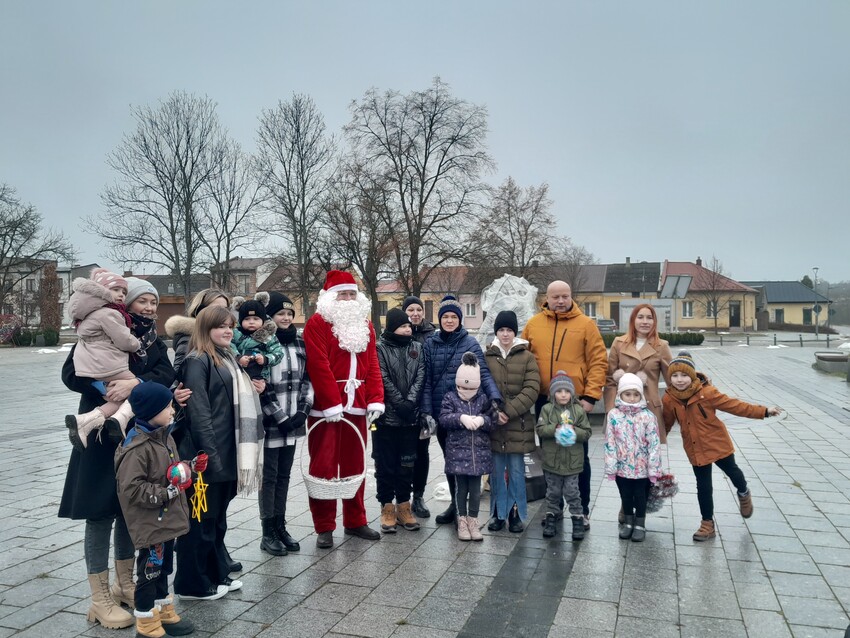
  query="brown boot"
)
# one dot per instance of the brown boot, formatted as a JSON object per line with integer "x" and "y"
{"x": 705, "y": 531}
{"x": 388, "y": 519}
{"x": 148, "y": 624}
{"x": 123, "y": 590}
{"x": 746, "y": 503}
{"x": 103, "y": 608}
{"x": 405, "y": 517}
{"x": 171, "y": 621}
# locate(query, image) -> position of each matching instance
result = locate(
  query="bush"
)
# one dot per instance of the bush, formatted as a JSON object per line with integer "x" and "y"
{"x": 9, "y": 326}
{"x": 51, "y": 337}
{"x": 673, "y": 338}
{"x": 796, "y": 327}
{"x": 22, "y": 337}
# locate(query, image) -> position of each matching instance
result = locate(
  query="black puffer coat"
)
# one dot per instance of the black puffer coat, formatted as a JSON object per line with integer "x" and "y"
{"x": 518, "y": 379}
{"x": 403, "y": 374}
{"x": 90, "y": 490}
{"x": 423, "y": 331}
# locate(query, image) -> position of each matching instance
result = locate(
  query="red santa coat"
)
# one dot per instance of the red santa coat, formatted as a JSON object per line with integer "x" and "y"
{"x": 342, "y": 381}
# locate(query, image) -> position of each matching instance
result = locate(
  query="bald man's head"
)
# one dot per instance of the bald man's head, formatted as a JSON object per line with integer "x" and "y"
{"x": 559, "y": 296}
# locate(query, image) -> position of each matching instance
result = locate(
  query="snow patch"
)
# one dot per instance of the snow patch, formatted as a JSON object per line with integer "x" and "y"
{"x": 778, "y": 346}
{"x": 46, "y": 351}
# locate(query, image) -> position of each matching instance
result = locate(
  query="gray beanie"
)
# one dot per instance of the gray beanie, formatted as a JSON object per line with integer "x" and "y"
{"x": 561, "y": 381}
{"x": 137, "y": 287}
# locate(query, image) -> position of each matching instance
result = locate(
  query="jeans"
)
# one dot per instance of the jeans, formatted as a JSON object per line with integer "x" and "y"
{"x": 96, "y": 543}
{"x": 153, "y": 566}
{"x": 468, "y": 495}
{"x": 705, "y": 491}
{"x": 277, "y": 468}
{"x": 503, "y": 494}
{"x": 633, "y": 495}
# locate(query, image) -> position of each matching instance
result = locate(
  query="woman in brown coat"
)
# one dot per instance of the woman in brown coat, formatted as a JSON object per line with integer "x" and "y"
{"x": 641, "y": 352}
{"x": 514, "y": 370}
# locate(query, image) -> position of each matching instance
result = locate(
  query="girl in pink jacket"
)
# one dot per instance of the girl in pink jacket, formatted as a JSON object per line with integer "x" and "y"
{"x": 632, "y": 453}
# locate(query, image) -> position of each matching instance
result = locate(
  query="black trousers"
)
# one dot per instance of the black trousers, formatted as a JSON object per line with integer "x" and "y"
{"x": 201, "y": 557}
{"x": 468, "y": 496}
{"x": 442, "y": 434}
{"x": 277, "y": 469}
{"x": 153, "y": 567}
{"x": 394, "y": 451}
{"x": 705, "y": 490}
{"x": 633, "y": 495}
{"x": 584, "y": 477}
{"x": 421, "y": 466}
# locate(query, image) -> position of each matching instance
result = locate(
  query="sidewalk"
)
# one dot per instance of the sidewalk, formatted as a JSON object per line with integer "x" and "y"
{"x": 784, "y": 572}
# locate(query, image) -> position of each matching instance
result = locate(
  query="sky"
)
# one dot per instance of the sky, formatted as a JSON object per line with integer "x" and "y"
{"x": 665, "y": 130}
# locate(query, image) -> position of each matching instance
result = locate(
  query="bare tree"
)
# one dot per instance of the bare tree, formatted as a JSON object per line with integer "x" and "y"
{"x": 228, "y": 222}
{"x": 429, "y": 147}
{"x": 568, "y": 263}
{"x": 294, "y": 163}
{"x": 25, "y": 246}
{"x": 711, "y": 289}
{"x": 48, "y": 298}
{"x": 153, "y": 208}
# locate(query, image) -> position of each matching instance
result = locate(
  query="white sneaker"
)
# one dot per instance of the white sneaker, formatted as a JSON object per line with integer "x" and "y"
{"x": 220, "y": 591}
{"x": 232, "y": 584}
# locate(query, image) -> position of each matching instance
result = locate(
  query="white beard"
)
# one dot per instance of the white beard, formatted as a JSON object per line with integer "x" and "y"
{"x": 348, "y": 319}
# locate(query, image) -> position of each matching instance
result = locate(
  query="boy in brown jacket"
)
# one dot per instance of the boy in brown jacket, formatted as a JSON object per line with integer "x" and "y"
{"x": 693, "y": 401}
{"x": 154, "y": 506}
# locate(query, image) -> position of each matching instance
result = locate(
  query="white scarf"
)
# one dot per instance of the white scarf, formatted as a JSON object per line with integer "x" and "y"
{"x": 249, "y": 428}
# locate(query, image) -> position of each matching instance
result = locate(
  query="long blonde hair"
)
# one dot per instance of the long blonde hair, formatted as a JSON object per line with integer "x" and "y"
{"x": 204, "y": 298}
{"x": 207, "y": 319}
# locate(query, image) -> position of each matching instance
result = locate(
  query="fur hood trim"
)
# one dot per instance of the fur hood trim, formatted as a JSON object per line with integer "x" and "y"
{"x": 266, "y": 333}
{"x": 237, "y": 302}
{"x": 179, "y": 324}
{"x": 92, "y": 288}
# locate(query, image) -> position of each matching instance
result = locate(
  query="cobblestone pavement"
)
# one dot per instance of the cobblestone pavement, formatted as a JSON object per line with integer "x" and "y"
{"x": 784, "y": 572}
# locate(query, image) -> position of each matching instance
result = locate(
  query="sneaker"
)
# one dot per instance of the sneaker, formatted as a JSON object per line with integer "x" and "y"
{"x": 745, "y": 501}
{"x": 586, "y": 521}
{"x": 213, "y": 593}
{"x": 232, "y": 584}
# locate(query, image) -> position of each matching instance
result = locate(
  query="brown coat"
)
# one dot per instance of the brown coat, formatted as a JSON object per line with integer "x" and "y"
{"x": 704, "y": 436}
{"x": 518, "y": 380}
{"x": 652, "y": 360}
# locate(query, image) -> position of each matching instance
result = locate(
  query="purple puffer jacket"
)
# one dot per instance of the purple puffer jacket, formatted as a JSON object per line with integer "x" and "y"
{"x": 467, "y": 451}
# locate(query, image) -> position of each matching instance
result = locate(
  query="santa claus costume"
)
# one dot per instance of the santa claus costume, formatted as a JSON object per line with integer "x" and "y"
{"x": 342, "y": 364}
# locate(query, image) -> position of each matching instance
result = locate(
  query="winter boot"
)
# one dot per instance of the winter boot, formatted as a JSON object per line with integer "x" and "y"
{"x": 578, "y": 528}
{"x": 746, "y": 503}
{"x": 549, "y": 525}
{"x": 705, "y": 531}
{"x": 628, "y": 527}
{"x": 640, "y": 529}
{"x": 621, "y": 517}
{"x": 232, "y": 565}
{"x": 419, "y": 508}
{"x": 473, "y": 529}
{"x": 448, "y": 516}
{"x": 171, "y": 621}
{"x": 116, "y": 425}
{"x": 285, "y": 537}
{"x": 271, "y": 543}
{"x": 124, "y": 589}
{"x": 462, "y": 529}
{"x": 148, "y": 624}
{"x": 103, "y": 608}
{"x": 388, "y": 519}
{"x": 81, "y": 425}
{"x": 514, "y": 521}
{"x": 406, "y": 518}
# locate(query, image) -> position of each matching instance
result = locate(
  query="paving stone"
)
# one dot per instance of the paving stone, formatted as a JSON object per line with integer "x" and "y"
{"x": 647, "y": 603}
{"x": 440, "y": 613}
{"x": 399, "y": 591}
{"x": 797, "y": 584}
{"x": 708, "y": 601}
{"x": 765, "y": 624}
{"x": 791, "y": 563}
{"x": 462, "y": 586}
{"x": 561, "y": 631}
{"x": 588, "y": 614}
{"x": 374, "y": 621}
{"x": 336, "y": 597}
{"x": 300, "y": 622}
{"x": 817, "y": 612}
{"x": 629, "y": 627}
{"x": 699, "y": 627}
{"x": 593, "y": 587}
{"x": 271, "y": 608}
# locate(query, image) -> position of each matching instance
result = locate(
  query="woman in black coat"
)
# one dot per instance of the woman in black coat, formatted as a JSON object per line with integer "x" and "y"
{"x": 90, "y": 492}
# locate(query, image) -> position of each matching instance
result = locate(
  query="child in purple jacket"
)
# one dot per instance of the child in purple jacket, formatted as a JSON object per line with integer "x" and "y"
{"x": 465, "y": 414}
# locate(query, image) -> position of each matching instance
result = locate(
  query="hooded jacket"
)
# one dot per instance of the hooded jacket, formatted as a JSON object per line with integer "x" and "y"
{"x": 467, "y": 451}
{"x": 262, "y": 341}
{"x": 105, "y": 341}
{"x": 140, "y": 466}
{"x": 704, "y": 435}
{"x": 403, "y": 373}
{"x": 423, "y": 331}
{"x": 518, "y": 380}
{"x": 632, "y": 446}
{"x": 569, "y": 460}
{"x": 179, "y": 329}
{"x": 568, "y": 341}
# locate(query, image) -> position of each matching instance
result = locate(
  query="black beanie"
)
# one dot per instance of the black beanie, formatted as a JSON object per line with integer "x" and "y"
{"x": 149, "y": 399}
{"x": 412, "y": 299}
{"x": 277, "y": 302}
{"x": 506, "y": 319}
{"x": 252, "y": 308}
{"x": 396, "y": 318}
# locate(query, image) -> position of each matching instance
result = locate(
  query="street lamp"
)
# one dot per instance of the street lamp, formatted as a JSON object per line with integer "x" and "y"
{"x": 815, "y": 306}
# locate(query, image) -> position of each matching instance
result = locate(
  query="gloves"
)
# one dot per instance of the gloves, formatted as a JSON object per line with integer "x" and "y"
{"x": 334, "y": 418}
{"x": 428, "y": 423}
{"x": 467, "y": 421}
{"x": 172, "y": 492}
{"x": 199, "y": 463}
{"x": 293, "y": 423}
{"x": 478, "y": 421}
{"x": 565, "y": 436}
{"x": 494, "y": 404}
{"x": 372, "y": 416}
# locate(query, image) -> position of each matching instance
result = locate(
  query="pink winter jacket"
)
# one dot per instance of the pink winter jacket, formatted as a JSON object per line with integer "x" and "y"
{"x": 632, "y": 447}
{"x": 105, "y": 341}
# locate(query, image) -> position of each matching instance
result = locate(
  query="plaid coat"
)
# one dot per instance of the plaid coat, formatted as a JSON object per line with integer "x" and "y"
{"x": 293, "y": 390}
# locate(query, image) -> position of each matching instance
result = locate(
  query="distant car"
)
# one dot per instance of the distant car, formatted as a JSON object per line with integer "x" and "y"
{"x": 606, "y": 325}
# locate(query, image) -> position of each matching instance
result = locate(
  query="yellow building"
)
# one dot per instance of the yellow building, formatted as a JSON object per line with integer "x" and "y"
{"x": 790, "y": 303}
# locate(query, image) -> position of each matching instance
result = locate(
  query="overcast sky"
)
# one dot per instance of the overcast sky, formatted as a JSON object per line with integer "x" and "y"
{"x": 664, "y": 129}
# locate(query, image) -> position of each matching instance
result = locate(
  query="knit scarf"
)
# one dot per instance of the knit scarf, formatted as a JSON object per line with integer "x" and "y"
{"x": 399, "y": 340}
{"x": 687, "y": 393}
{"x": 120, "y": 307}
{"x": 287, "y": 336}
{"x": 248, "y": 419}
{"x": 144, "y": 329}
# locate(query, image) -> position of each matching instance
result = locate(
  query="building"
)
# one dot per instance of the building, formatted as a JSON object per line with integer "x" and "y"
{"x": 789, "y": 303}
{"x": 239, "y": 276}
{"x": 67, "y": 275}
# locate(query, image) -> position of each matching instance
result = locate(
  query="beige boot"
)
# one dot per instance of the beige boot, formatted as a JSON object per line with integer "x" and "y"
{"x": 123, "y": 590}
{"x": 103, "y": 608}
{"x": 388, "y": 519}
{"x": 120, "y": 419}
{"x": 462, "y": 529}
{"x": 171, "y": 621}
{"x": 81, "y": 425}
{"x": 148, "y": 624}
{"x": 405, "y": 517}
{"x": 474, "y": 530}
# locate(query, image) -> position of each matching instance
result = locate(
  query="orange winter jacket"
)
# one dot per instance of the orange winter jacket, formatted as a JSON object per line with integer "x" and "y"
{"x": 568, "y": 341}
{"x": 704, "y": 436}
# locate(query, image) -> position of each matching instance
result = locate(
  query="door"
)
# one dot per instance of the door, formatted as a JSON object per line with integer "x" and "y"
{"x": 807, "y": 316}
{"x": 734, "y": 314}
{"x": 615, "y": 314}
{"x": 780, "y": 315}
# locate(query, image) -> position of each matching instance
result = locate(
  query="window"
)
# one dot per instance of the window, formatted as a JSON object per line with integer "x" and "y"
{"x": 711, "y": 309}
{"x": 470, "y": 310}
{"x": 30, "y": 285}
{"x": 687, "y": 309}
{"x": 779, "y": 315}
{"x": 383, "y": 308}
{"x": 170, "y": 289}
{"x": 807, "y": 316}
{"x": 590, "y": 308}
{"x": 242, "y": 283}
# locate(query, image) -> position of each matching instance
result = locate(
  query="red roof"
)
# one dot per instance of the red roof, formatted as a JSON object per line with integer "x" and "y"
{"x": 703, "y": 278}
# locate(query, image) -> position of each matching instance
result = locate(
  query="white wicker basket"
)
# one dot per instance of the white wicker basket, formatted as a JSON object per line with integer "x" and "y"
{"x": 339, "y": 487}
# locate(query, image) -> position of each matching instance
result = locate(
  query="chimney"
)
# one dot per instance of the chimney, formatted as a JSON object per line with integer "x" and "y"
{"x": 128, "y": 273}
{"x": 535, "y": 264}
{"x": 628, "y": 261}
{"x": 699, "y": 261}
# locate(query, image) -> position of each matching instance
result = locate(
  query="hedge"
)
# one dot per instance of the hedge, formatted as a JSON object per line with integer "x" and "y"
{"x": 22, "y": 337}
{"x": 51, "y": 337}
{"x": 673, "y": 338}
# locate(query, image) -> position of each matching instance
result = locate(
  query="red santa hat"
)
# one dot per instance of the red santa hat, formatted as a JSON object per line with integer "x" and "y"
{"x": 337, "y": 280}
